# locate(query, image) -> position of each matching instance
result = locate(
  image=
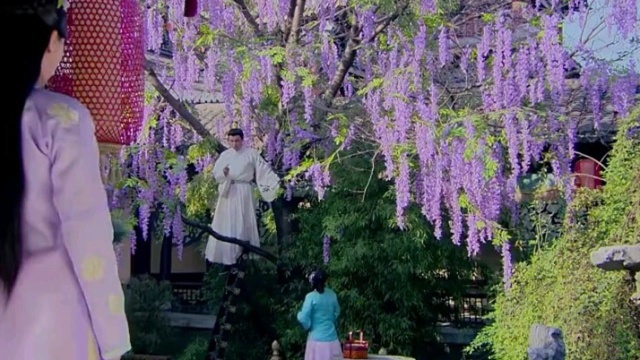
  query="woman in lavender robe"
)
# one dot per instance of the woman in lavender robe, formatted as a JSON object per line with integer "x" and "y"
{"x": 60, "y": 296}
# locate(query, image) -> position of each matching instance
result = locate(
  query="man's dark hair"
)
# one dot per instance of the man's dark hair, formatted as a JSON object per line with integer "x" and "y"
{"x": 236, "y": 132}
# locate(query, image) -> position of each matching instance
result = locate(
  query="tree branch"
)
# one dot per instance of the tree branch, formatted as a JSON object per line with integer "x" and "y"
{"x": 350, "y": 52}
{"x": 290, "y": 15}
{"x": 175, "y": 103}
{"x": 294, "y": 34}
{"x": 388, "y": 20}
{"x": 472, "y": 14}
{"x": 251, "y": 20}
{"x": 345, "y": 64}
{"x": 244, "y": 244}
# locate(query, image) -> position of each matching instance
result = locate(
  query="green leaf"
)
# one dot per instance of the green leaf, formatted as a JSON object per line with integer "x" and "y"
{"x": 375, "y": 83}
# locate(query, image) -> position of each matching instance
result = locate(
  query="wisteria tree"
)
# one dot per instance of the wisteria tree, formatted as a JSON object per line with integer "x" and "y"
{"x": 457, "y": 98}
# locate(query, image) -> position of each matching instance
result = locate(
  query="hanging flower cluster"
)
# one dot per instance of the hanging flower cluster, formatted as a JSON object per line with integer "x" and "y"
{"x": 326, "y": 249}
{"x": 457, "y": 123}
{"x": 154, "y": 181}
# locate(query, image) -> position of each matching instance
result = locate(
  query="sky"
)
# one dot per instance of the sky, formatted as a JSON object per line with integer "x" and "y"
{"x": 602, "y": 41}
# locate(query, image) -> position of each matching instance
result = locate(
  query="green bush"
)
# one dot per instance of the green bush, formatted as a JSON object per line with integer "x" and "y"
{"x": 197, "y": 350}
{"x": 121, "y": 226}
{"x": 559, "y": 286}
{"x": 256, "y": 313}
{"x": 387, "y": 281}
{"x": 145, "y": 303}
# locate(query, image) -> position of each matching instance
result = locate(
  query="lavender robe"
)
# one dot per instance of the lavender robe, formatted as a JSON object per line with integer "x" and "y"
{"x": 68, "y": 302}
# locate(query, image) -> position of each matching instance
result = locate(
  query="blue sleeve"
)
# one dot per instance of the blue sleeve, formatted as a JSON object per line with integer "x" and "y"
{"x": 304, "y": 316}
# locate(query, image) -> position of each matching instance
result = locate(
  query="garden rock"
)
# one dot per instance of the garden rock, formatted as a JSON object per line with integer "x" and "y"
{"x": 545, "y": 343}
{"x": 618, "y": 257}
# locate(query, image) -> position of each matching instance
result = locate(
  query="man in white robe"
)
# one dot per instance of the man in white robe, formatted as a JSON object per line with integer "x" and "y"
{"x": 235, "y": 215}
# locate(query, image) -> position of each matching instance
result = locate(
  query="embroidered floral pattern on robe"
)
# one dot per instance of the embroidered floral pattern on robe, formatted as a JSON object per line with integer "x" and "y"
{"x": 63, "y": 113}
{"x": 93, "y": 268}
{"x": 68, "y": 302}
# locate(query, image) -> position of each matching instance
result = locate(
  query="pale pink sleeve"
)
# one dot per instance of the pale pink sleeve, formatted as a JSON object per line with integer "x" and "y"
{"x": 86, "y": 230}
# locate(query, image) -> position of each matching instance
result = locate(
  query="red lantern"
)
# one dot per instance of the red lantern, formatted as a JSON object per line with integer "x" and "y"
{"x": 103, "y": 66}
{"x": 587, "y": 174}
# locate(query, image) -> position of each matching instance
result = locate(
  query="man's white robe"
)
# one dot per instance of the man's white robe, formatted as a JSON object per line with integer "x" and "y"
{"x": 235, "y": 213}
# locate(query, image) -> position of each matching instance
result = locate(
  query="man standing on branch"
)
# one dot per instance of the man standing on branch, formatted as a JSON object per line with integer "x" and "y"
{"x": 236, "y": 171}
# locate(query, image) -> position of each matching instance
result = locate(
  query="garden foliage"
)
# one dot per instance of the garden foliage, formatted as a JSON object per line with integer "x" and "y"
{"x": 559, "y": 286}
{"x": 388, "y": 281}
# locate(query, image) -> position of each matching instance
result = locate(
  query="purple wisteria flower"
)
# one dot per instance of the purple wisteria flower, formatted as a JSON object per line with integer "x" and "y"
{"x": 326, "y": 249}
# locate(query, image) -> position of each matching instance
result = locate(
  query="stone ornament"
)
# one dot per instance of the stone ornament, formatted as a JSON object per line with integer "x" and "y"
{"x": 620, "y": 258}
{"x": 545, "y": 343}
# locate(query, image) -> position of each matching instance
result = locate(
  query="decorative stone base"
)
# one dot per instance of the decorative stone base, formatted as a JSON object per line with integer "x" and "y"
{"x": 545, "y": 343}
{"x": 617, "y": 258}
{"x": 620, "y": 258}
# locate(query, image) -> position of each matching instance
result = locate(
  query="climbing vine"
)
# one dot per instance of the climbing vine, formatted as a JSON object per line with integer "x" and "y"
{"x": 560, "y": 287}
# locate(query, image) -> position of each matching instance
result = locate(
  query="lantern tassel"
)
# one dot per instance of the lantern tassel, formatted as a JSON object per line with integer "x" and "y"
{"x": 190, "y": 8}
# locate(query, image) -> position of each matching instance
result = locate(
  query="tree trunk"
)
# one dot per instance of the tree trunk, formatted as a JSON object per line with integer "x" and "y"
{"x": 141, "y": 259}
{"x": 165, "y": 258}
{"x": 285, "y": 226}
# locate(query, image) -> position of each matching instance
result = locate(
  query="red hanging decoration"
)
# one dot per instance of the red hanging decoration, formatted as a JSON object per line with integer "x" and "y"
{"x": 587, "y": 174}
{"x": 103, "y": 66}
{"x": 190, "y": 8}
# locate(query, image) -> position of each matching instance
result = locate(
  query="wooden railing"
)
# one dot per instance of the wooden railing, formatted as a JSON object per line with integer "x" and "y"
{"x": 188, "y": 297}
{"x": 468, "y": 310}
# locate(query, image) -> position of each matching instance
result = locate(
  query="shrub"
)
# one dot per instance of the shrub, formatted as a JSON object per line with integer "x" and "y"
{"x": 559, "y": 286}
{"x": 197, "y": 350}
{"x": 388, "y": 281}
{"x": 145, "y": 303}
